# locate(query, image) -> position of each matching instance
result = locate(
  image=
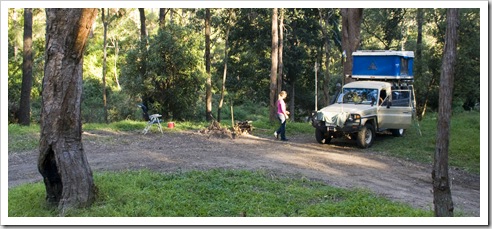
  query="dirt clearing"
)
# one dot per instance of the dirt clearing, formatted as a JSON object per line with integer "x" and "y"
{"x": 338, "y": 164}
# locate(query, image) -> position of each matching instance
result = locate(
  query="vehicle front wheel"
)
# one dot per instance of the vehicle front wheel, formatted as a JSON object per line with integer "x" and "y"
{"x": 321, "y": 137}
{"x": 398, "y": 132}
{"x": 366, "y": 135}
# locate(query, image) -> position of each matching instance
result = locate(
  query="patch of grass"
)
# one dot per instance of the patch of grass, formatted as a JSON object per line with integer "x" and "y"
{"x": 216, "y": 193}
{"x": 464, "y": 148}
{"x": 23, "y": 138}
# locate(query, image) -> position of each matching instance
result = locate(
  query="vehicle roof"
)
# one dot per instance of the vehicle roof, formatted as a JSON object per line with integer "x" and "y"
{"x": 368, "y": 84}
{"x": 383, "y": 53}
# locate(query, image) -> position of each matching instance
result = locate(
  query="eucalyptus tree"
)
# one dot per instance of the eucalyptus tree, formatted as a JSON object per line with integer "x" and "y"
{"x": 208, "y": 83}
{"x": 443, "y": 202}
{"x": 351, "y": 28}
{"x": 274, "y": 66}
{"x": 27, "y": 65}
{"x": 62, "y": 162}
{"x": 228, "y": 21}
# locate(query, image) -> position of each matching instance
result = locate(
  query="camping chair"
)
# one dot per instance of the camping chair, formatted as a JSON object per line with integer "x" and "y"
{"x": 152, "y": 119}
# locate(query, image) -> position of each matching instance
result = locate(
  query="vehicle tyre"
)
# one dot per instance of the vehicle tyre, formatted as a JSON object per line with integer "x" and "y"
{"x": 366, "y": 136}
{"x": 398, "y": 132}
{"x": 321, "y": 137}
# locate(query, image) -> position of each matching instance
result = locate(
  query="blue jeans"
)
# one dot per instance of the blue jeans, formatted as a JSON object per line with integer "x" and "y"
{"x": 281, "y": 129}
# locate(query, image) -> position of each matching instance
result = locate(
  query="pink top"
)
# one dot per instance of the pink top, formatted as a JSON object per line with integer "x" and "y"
{"x": 281, "y": 106}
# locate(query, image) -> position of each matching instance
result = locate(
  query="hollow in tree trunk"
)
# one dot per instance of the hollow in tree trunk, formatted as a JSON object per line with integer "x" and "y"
{"x": 62, "y": 162}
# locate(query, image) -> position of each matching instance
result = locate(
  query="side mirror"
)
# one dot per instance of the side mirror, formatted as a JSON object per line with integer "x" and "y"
{"x": 388, "y": 104}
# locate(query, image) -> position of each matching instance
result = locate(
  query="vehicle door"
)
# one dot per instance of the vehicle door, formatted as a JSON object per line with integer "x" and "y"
{"x": 398, "y": 115}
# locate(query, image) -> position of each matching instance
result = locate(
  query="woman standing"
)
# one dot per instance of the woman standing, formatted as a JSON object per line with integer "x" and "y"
{"x": 282, "y": 115}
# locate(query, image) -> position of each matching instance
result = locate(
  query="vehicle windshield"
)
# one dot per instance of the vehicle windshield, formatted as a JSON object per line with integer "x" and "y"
{"x": 358, "y": 95}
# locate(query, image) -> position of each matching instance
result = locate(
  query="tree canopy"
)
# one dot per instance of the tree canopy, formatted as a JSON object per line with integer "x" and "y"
{"x": 174, "y": 80}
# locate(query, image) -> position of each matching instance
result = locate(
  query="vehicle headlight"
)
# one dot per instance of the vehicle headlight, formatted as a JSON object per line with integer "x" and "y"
{"x": 353, "y": 117}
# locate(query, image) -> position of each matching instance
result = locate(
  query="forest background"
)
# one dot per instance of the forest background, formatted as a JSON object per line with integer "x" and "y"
{"x": 167, "y": 71}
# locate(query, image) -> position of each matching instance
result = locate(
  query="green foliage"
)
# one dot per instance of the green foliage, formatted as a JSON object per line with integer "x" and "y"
{"x": 464, "y": 148}
{"x": 215, "y": 193}
{"x": 173, "y": 77}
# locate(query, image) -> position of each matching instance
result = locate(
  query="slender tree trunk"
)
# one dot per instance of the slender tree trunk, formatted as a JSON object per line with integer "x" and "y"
{"x": 143, "y": 27}
{"x": 62, "y": 162}
{"x": 143, "y": 50}
{"x": 351, "y": 24}
{"x": 25, "y": 100}
{"x": 226, "y": 57}
{"x": 443, "y": 203}
{"x": 116, "y": 50}
{"x": 418, "y": 57}
{"x": 280, "y": 52}
{"x": 162, "y": 17}
{"x": 273, "y": 70}
{"x": 105, "y": 44}
{"x": 292, "y": 99}
{"x": 208, "y": 84}
{"x": 324, "y": 24}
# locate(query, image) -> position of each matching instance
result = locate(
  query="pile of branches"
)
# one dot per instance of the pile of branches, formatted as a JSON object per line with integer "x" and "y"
{"x": 242, "y": 127}
{"x": 215, "y": 130}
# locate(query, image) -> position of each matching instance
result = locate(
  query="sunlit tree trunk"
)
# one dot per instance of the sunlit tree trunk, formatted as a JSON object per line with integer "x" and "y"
{"x": 273, "y": 70}
{"x": 62, "y": 162}
{"x": 280, "y": 52}
{"x": 208, "y": 84}
{"x": 105, "y": 44}
{"x": 25, "y": 100}
{"x": 226, "y": 57}
{"x": 443, "y": 202}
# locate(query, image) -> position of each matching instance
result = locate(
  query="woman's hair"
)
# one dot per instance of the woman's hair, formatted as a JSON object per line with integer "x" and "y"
{"x": 282, "y": 93}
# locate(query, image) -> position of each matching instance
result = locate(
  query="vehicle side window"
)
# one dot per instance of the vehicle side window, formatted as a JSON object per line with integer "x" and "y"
{"x": 382, "y": 97}
{"x": 400, "y": 98}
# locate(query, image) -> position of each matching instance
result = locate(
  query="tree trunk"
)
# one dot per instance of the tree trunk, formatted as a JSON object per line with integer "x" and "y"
{"x": 324, "y": 24}
{"x": 25, "y": 99}
{"x": 443, "y": 203}
{"x": 143, "y": 49}
{"x": 208, "y": 84}
{"x": 62, "y": 162}
{"x": 226, "y": 57}
{"x": 105, "y": 44}
{"x": 351, "y": 23}
{"x": 273, "y": 70}
{"x": 143, "y": 28}
{"x": 162, "y": 17}
{"x": 280, "y": 52}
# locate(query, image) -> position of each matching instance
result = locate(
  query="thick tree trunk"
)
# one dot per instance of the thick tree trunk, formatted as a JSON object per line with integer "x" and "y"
{"x": 443, "y": 203}
{"x": 25, "y": 100}
{"x": 208, "y": 84}
{"x": 351, "y": 23}
{"x": 273, "y": 70}
{"x": 62, "y": 162}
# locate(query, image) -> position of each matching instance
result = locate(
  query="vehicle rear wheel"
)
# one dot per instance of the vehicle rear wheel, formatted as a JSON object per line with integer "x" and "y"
{"x": 398, "y": 132}
{"x": 366, "y": 135}
{"x": 321, "y": 137}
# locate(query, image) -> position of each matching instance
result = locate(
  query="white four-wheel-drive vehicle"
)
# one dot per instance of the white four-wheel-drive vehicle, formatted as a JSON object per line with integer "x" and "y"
{"x": 382, "y": 101}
